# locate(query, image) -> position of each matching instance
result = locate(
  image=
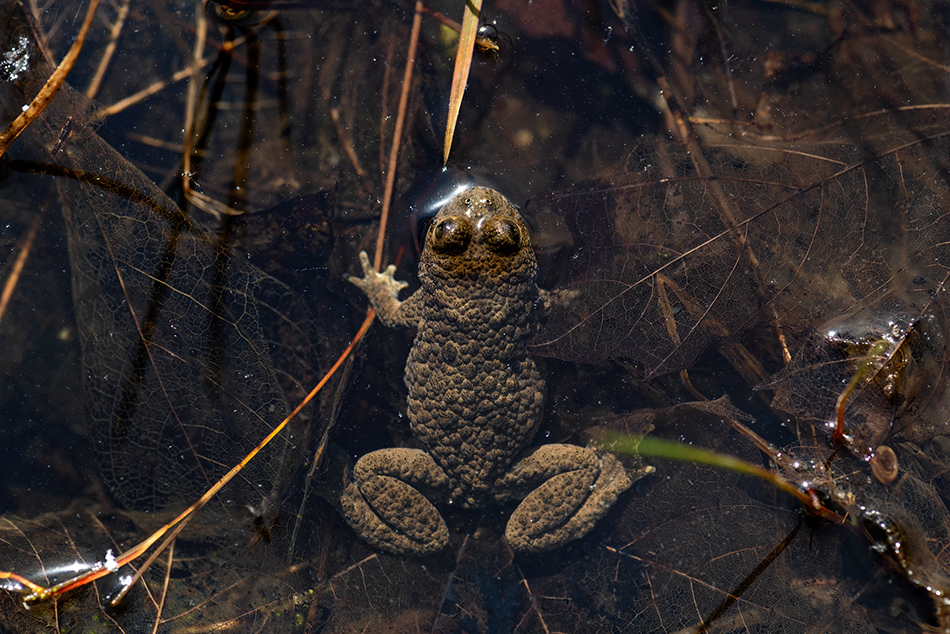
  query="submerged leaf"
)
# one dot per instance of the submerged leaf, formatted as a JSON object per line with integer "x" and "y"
{"x": 903, "y": 391}
{"x": 664, "y": 265}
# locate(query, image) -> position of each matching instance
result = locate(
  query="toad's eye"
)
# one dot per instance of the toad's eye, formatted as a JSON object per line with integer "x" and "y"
{"x": 502, "y": 236}
{"x": 451, "y": 236}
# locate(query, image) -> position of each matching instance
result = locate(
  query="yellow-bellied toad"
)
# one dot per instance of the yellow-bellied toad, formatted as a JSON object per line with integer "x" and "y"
{"x": 475, "y": 396}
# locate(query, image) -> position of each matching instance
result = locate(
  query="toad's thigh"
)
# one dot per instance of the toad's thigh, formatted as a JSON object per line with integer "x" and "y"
{"x": 569, "y": 489}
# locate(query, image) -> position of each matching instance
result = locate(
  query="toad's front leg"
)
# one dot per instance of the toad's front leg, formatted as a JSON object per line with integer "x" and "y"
{"x": 389, "y": 505}
{"x": 568, "y": 489}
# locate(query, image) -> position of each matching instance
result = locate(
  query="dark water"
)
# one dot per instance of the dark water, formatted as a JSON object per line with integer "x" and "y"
{"x": 735, "y": 200}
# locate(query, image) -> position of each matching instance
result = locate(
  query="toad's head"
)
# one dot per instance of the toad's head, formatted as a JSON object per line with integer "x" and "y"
{"x": 479, "y": 234}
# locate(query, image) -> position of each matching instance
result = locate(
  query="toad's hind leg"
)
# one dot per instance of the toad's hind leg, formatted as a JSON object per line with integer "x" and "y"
{"x": 388, "y": 502}
{"x": 568, "y": 489}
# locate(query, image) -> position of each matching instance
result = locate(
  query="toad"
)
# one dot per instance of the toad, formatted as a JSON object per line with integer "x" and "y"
{"x": 475, "y": 396}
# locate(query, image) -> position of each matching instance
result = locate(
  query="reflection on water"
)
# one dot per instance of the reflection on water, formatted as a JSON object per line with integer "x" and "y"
{"x": 736, "y": 181}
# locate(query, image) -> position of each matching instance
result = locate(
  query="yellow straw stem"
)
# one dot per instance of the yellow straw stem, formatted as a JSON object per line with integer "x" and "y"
{"x": 463, "y": 63}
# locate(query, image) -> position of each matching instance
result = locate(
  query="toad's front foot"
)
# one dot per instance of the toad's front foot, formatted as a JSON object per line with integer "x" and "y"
{"x": 382, "y": 289}
{"x": 377, "y": 284}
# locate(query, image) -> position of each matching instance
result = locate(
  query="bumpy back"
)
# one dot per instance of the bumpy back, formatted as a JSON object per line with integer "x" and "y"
{"x": 475, "y": 396}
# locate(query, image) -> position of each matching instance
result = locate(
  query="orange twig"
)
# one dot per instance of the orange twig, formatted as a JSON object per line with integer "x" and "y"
{"x": 397, "y": 135}
{"x": 18, "y": 265}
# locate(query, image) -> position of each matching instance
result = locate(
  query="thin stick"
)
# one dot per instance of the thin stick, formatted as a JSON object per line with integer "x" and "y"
{"x": 347, "y": 143}
{"x": 168, "y": 578}
{"x": 191, "y": 100}
{"x": 50, "y": 88}
{"x": 18, "y": 265}
{"x": 192, "y": 69}
{"x": 148, "y": 91}
{"x": 110, "y": 50}
{"x": 397, "y": 135}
